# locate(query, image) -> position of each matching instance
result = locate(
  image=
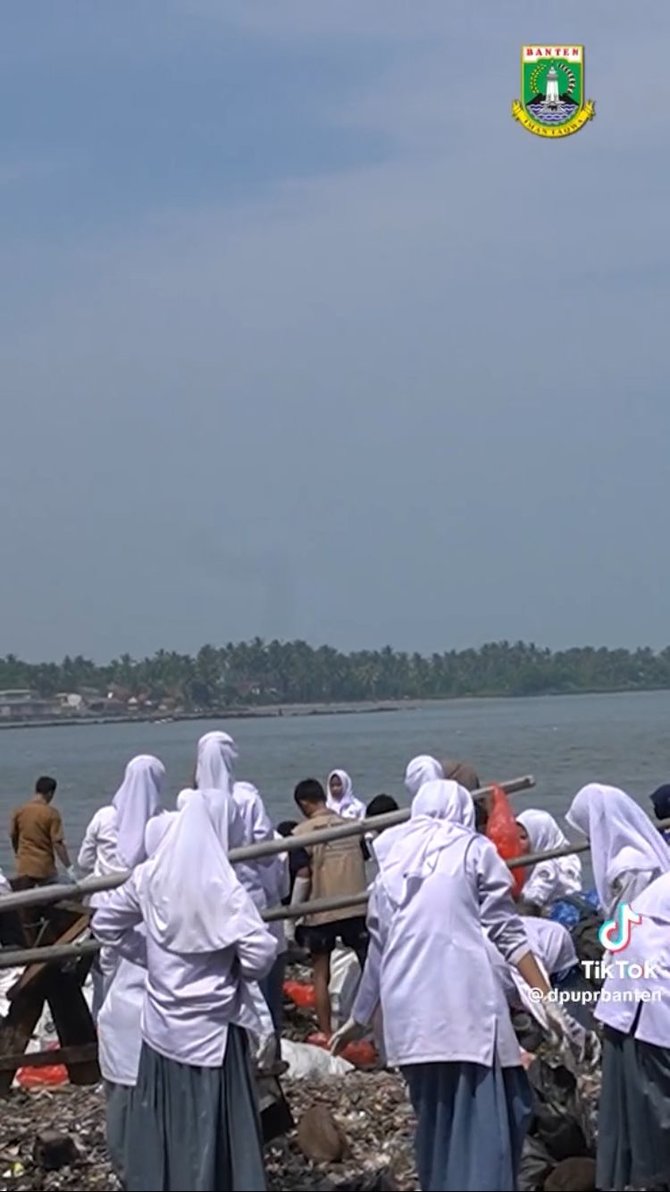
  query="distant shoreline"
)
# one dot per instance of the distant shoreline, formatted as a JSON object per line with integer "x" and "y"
{"x": 268, "y": 712}
{"x": 291, "y": 711}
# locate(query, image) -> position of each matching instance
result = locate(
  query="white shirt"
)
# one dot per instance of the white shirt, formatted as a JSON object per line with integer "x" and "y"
{"x": 551, "y": 943}
{"x": 266, "y": 879}
{"x": 119, "y": 1024}
{"x": 349, "y": 808}
{"x": 653, "y": 1024}
{"x": 97, "y": 854}
{"x": 428, "y": 964}
{"x": 190, "y": 1000}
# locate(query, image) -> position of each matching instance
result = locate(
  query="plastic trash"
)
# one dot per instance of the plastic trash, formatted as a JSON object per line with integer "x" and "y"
{"x": 306, "y": 1062}
{"x": 300, "y": 994}
{"x": 361, "y": 1054}
{"x": 502, "y": 829}
{"x": 345, "y": 975}
{"x": 29, "y": 1077}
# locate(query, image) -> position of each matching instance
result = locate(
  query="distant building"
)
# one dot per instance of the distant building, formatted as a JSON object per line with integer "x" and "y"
{"x": 21, "y": 704}
{"x": 70, "y": 701}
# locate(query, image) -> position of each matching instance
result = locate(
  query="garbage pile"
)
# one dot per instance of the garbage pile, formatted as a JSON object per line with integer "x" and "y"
{"x": 354, "y": 1134}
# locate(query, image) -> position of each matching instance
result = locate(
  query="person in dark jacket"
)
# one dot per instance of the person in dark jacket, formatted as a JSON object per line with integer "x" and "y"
{"x": 661, "y": 803}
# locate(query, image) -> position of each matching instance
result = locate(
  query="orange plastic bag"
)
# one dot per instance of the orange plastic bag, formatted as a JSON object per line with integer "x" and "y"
{"x": 30, "y": 1077}
{"x": 361, "y": 1054}
{"x": 503, "y": 831}
{"x": 301, "y": 995}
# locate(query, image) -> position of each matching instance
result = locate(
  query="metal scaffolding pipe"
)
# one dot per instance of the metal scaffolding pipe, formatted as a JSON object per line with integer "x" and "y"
{"x": 16, "y": 958}
{"x": 50, "y": 954}
{"x": 266, "y": 848}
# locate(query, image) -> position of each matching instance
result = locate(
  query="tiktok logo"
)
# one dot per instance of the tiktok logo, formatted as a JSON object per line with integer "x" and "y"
{"x": 615, "y": 934}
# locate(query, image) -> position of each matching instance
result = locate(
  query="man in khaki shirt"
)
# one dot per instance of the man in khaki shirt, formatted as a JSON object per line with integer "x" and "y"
{"x": 37, "y": 837}
{"x": 336, "y": 869}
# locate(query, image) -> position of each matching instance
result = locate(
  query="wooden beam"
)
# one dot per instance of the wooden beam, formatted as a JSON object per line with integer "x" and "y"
{"x": 80, "y": 1054}
{"x": 34, "y": 970}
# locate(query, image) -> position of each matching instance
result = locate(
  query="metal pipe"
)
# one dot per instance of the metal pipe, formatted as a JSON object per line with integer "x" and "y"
{"x": 266, "y": 848}
{"x": 57, "y": 952}
{"x": 50, "y": 954}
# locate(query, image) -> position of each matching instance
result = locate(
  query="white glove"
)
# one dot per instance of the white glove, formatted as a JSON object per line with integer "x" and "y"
{"x": 71, "y": 874}
{"x": 349, "y": 1033}
{"x": 582, "y": 1045}
{"x": 301, "y": 889}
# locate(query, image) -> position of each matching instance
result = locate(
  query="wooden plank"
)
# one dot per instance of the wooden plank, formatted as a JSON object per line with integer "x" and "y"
{"x": 33, "y": 971}
{"x": 73, "y": 1022}
{"x": 81, "y": 1054}
{"x": 18, "y": 1028}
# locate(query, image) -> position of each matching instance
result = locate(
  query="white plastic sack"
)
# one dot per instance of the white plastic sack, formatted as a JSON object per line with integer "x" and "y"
{"x": 7, "y": 979}
{"x": 345, "y": 974}
{"x": 306, "y": 1062}
{"x": 262, "y": 1040}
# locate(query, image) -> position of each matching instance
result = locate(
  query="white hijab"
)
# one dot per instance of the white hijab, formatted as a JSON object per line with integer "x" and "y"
{"x": 156, "y": 829}
{"x": 545, "y": 834}
{"x": 622, "y": 837}
{"x": 441, "y": 813}
{"x": 191, "y": 900}
{"x": 348, "y": 806}
{"x": 654, "y": 903}
{"x": 257, "y": 823}
{"x": 217, "y": 754}
{"x": 136, "y": 801}
{"x": 420, "y": 770}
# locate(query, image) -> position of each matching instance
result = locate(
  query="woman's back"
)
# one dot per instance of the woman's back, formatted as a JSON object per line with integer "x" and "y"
{"x": 438, "y": 993}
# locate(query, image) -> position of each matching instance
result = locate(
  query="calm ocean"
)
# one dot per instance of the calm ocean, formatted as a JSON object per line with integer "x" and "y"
{"x": 564, "y": 741}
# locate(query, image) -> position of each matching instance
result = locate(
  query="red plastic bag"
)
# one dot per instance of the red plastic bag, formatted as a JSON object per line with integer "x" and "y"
{"x": 361, "y": 1053}
{"x": 301, "y": 995}
{"x": 502, "y": 829}
{"x": 34, "y": 1078}
{"x": 41, "y": 1078}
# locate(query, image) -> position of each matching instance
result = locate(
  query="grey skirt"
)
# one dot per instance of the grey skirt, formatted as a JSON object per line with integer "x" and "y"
{"x": 118, "y": 1099}
{"x": 195, "y": 1128}
{"x": 471, "y": 1125}
{"x": 634, "y": 1115}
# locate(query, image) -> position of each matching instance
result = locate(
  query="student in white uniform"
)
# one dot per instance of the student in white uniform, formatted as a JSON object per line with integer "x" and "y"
{"x": 634, "y": 1116}
{"x": 119, "y": 1025}
{"x": 627, "y": 851}
{"x": 266, "y": 879}
{"x": 439, "y": 884}
{"x": 340, "y": 796}
{"x": 194, "y": 1119}
{"x": 114, "y": 842}
{"x": 420, "y": 770}
{"x": 137, "y": 799}
{"x": 553, "y": 879}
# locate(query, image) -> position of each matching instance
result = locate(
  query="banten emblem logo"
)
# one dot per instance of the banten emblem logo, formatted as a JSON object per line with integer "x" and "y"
{"x": 552, "y": 100}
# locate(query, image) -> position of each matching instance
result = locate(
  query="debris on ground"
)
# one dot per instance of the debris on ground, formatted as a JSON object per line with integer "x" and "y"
{"x": 368, "y": 1113}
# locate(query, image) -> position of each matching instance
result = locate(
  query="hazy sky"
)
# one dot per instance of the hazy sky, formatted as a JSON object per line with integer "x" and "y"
{"x": 303, "y": 336}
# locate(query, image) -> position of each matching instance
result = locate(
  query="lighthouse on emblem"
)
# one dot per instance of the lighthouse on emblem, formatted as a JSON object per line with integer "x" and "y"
{"x": 552, "y": 98}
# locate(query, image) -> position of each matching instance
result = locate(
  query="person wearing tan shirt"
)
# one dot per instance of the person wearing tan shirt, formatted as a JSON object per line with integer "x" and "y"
{"x": 336, "y": 869}
{"x": 37, "y": 838}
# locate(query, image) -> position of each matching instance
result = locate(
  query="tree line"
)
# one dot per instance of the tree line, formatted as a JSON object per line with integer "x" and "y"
{"x": 266, "y": 673}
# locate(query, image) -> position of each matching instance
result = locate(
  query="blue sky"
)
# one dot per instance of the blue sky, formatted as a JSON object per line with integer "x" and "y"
{"x": 303, "y": 336}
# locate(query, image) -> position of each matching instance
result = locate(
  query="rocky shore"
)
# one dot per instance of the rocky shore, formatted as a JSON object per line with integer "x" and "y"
{"x": 354, "y": 1134}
